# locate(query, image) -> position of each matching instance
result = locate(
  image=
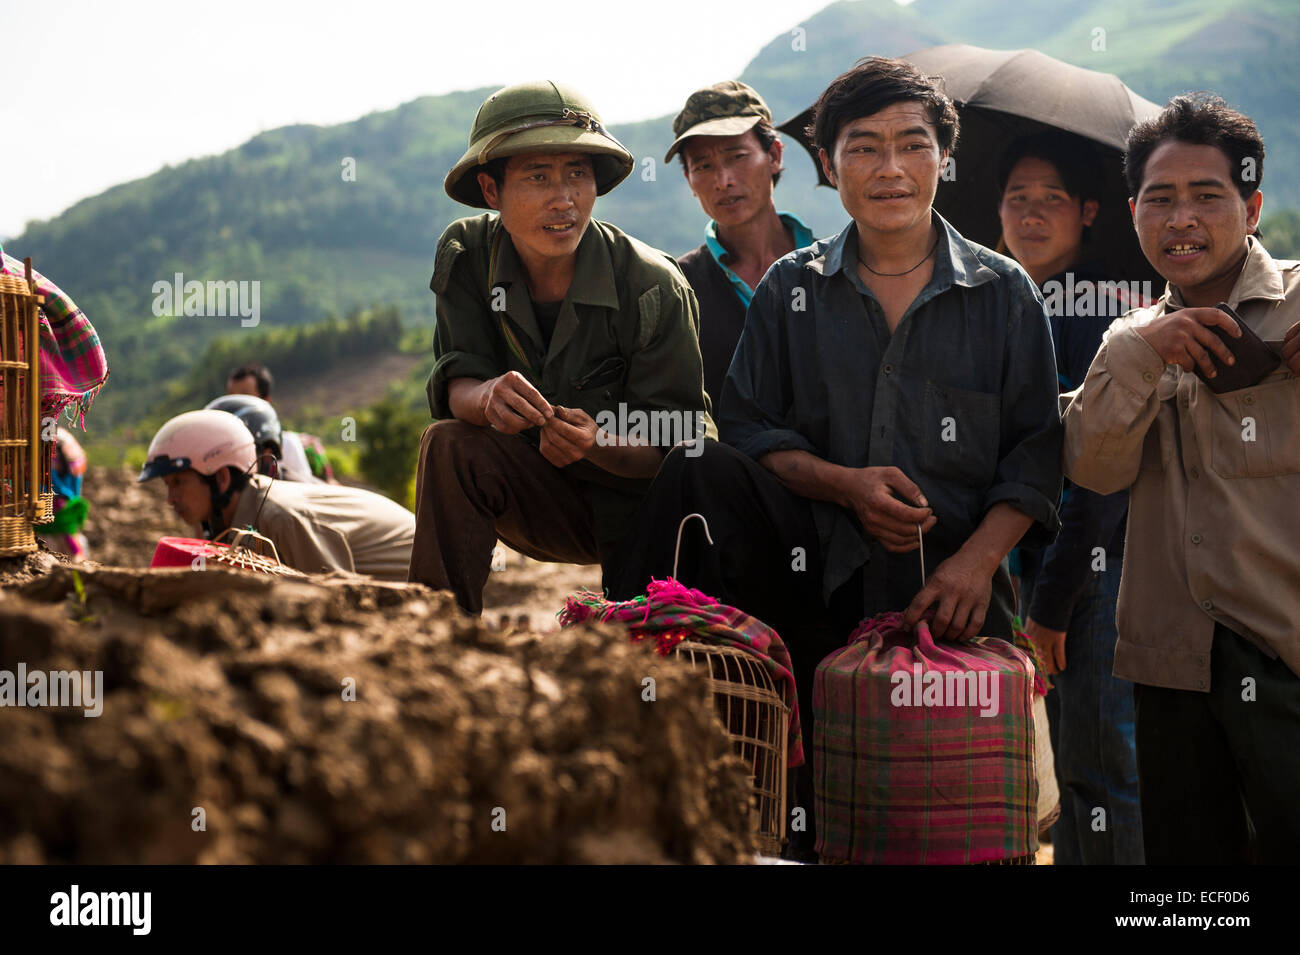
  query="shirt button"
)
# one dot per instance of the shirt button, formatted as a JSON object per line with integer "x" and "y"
{"x": 1207, "y": 604}
{"x": 889, "y": 369}
{"x": 1196, "y": 538}
{"x": 1147, "y": 376}
{"x": 1200, "y": 661}
{"x": 1249, "y": 399}
{"x": 1187, "y": 402}
{"x": 1200, "y": 684}
{"x": 1195, "y": 473}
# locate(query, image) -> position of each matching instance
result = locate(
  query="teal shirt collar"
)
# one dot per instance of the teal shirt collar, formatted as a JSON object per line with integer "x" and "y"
{"x": 802, "y": 237}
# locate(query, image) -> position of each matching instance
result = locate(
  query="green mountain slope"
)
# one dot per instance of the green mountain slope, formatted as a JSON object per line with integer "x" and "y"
{"x": 278, "y": 210}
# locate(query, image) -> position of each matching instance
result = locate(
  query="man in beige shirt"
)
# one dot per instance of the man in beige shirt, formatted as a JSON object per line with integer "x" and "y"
{"x": 326, "y": 527}
{"x": 206, "y": 459}
{"x": 1209, "y": 603}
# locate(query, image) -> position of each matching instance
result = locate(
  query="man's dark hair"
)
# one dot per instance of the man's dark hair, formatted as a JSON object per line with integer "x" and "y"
{"x": 1199, "y": 119}
{"x": 765, "y": 132}
{"x": 1073, "y": 159}
{"x": 873, "y": 84}
{"x": 260, "y": 375}
{"x": 496, "y": 168}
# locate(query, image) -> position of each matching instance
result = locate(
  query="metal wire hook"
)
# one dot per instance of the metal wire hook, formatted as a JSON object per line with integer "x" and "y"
{"x": 682, "y": 526}
{"x": 920, "y": 538}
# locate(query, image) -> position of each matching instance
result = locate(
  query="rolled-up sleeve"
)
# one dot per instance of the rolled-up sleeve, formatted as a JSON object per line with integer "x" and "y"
{"x": 754, "y": 411}
{"x": 1029, "y": 473}
{"x": 464, "y": 345}
{"x": 1107, "y": 418}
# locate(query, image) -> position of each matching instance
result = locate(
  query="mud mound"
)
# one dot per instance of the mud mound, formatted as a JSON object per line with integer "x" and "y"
{"x": 127, "y": 519}
{"x": 225, "y": 693}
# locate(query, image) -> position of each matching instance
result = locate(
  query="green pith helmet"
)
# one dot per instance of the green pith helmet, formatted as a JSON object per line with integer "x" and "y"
{"x": 536, "y": 117}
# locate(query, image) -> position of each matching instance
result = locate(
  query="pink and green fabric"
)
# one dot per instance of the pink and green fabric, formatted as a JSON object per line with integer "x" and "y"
{"x": 671, "y": 612}
{"x": 923, "y": 749}
{"x": 73, "y": 366}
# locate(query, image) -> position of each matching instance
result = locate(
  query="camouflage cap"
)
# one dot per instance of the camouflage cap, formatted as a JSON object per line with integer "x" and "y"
{"x": 536, "y": 118}
{"x": 728, "y": 108}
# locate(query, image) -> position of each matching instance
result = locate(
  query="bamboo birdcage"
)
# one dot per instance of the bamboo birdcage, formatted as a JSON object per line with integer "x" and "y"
{"x": 754, "y": 715}
{"x": 758, "y": 722}
{"x": 26, "y": 495}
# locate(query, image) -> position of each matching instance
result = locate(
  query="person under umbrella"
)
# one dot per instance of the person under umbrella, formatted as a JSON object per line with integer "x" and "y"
{"x": 1049, "y": 187}
{"x": 1004, "y": 95}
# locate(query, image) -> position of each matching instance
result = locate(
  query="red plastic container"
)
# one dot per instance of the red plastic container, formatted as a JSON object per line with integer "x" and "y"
{"x": 184, "y": 552}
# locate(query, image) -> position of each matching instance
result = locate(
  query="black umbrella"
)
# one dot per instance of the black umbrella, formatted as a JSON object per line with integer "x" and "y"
{"x": 1005, "y": 94}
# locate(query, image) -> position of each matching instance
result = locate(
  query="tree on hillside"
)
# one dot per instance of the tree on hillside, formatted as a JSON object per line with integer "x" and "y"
{"x": 389, "y": 433}
{"x": 1280, "y": 234}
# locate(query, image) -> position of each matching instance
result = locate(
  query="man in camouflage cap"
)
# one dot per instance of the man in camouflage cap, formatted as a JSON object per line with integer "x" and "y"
{"x": 567, "y": 355}
{"x": 731, "y": 157}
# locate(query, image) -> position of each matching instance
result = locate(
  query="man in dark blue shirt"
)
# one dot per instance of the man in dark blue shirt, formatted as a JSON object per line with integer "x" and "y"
{"x": 894, "y": 382}
{"x": 1050, "y": 191}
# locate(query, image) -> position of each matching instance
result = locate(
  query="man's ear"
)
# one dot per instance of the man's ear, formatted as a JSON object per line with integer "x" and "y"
{"x": 1132, "y": 209}
{"x": 827, "y": 168}
{"x": 1254, "y": 206}
{"x": 491, "y": 192}
{"x": 776, "y": 152}
{"x": 223, "y": 480}
{"x": 1089, "y": 211}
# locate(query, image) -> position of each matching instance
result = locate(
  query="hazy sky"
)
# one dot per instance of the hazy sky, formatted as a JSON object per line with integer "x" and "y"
{"x": 117, "y": 90}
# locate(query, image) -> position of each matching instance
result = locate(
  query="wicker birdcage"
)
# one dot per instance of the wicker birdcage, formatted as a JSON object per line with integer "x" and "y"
{"x": 24, "y": 464}
{"x": 758, "y": 722}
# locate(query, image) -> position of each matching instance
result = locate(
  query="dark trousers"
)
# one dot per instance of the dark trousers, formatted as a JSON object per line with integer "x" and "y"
{"x": 1091, "y": 716}
{"x": 1219, "y": 774}
{"x": 765, "y": 559}
{"x": 474, "y": 485}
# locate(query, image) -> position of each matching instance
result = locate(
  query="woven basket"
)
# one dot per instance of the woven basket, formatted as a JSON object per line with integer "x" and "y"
{"x": 16, "y": 537}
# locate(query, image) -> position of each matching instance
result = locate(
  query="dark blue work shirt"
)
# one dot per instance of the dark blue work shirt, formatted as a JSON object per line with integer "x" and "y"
{"x": 962, "y": 398}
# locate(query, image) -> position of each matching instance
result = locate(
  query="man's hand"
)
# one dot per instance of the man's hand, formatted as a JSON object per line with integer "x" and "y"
{"x": 962, "y": 586}
{"x": 1183, "y": 338}
{"x": 511, "y": 404}
{"x": 1291, "y": 348}
{"x": 568, "y": 437}
{"x": 1050, "y": 645}
{"x": 874, "y": 495}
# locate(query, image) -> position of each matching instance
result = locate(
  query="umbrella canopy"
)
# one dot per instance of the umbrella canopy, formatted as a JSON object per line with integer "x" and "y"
{"x": 1002, "y": 95}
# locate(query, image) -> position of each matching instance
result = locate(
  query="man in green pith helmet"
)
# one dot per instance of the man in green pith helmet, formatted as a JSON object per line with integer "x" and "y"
{"x": 567, "y": 353}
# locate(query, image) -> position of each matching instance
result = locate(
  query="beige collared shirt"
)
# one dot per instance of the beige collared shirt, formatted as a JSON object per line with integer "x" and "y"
{"x": 1214, "y": 512}
{"x": 320, "y": 528}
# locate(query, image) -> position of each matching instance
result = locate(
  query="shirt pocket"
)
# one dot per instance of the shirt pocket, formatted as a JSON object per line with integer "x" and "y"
{"x": 960, "y": 432}
{"x": 1255, "y": 431}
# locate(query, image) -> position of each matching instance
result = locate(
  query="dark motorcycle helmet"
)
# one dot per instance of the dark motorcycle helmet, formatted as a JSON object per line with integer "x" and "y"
{"x": 258, "y": 417}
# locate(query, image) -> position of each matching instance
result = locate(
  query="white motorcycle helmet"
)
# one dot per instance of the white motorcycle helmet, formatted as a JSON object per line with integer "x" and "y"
{"x": 203, "y": 440}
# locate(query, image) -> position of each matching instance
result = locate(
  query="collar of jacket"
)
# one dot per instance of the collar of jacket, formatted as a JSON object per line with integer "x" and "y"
{"x": 955, "y": 261}
{"x": 592, "y": 284}
{"x": 593, "y": 273}
{"x": 1260, "y": 278}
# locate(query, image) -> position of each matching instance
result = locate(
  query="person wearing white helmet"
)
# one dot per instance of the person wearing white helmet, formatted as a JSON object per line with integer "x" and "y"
{"x": 208, "y": 459}
{"x": 205, "y": 459}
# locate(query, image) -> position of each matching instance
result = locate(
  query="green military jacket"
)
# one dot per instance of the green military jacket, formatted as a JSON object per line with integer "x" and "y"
{"x": 626, "y": 340}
